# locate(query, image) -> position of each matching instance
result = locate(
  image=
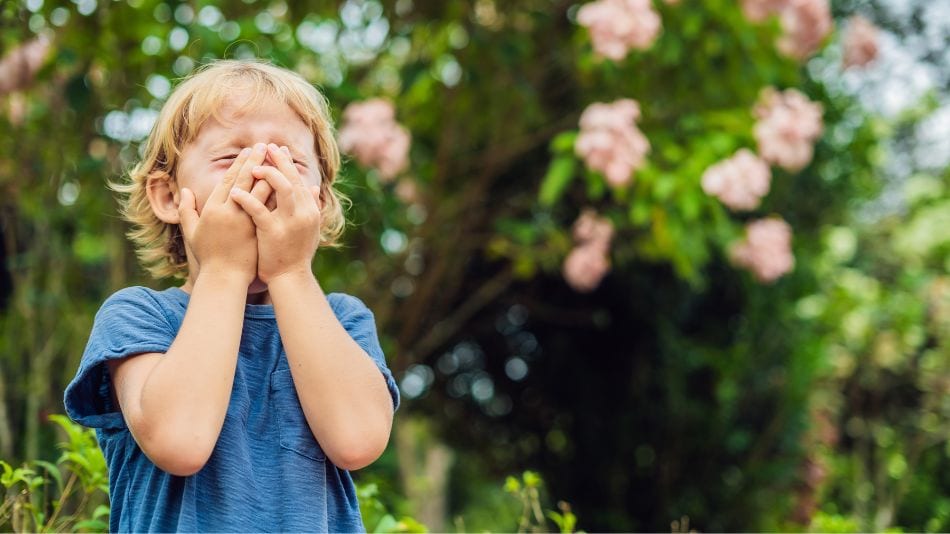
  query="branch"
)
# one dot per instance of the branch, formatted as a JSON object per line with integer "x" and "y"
{"x": 443, "y": 330}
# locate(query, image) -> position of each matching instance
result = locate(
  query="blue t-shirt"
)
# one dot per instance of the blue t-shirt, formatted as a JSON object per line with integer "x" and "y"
{"x": 267, "y": 472}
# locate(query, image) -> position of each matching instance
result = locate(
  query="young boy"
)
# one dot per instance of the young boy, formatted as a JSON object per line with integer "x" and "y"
{"x": 240, "y": 400}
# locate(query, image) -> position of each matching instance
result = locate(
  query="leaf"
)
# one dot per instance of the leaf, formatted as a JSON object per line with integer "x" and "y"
{"x": 100, "y": 511}
{"x": 555, "y": 182}
{"x": 92, "y": 525}
{"x": 6, "y": 477}
{"x": 564, "y": 142}
{"x": 388, "y": 523}
{"x": 531, "y": 479}
{"x": 53, "y": 472}
{"x": 596, "y": 185}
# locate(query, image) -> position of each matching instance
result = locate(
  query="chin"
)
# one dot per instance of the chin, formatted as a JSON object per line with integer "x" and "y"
{"x": 257, "y": 286}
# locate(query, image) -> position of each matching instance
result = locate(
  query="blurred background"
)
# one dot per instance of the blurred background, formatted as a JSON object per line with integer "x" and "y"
{"x": 666, "y": 264}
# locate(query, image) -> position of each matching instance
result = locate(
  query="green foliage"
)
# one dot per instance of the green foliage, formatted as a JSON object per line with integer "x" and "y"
{"x": 375, "y": 516}
{"x": 527, "y": 490}
{"x": 36, "y": 499}
{"x": 727, "y": 382}
{"x": 883, "y": 314}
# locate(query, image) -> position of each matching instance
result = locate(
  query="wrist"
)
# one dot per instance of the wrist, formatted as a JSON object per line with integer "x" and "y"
{"x": 225, "y": 275}
{"x": 291, "y": 278}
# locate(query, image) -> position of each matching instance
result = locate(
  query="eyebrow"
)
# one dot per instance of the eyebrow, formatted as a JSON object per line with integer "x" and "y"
{"x": 233, "y": 143}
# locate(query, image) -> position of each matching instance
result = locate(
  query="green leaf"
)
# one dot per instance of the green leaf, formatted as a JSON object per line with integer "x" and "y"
{"x": 101, "y": 511}
{"x": 563, "y": 143}
{"x": 92, "y": 525}
{"x": 53, "y": 472}
{"x": 559, "y": 176}
{"x": 388, "y": 523}
{"x": 7, "y": 476}
{"x": 531, "y": 479}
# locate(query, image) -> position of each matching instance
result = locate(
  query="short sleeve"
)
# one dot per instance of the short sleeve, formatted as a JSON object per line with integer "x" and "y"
{"x": 130, "y": 322}
{"x": 359, "y": 322}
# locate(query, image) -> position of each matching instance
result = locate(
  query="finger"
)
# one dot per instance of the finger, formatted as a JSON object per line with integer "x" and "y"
{"x": 253, "y": 207}
{"x": 187, "y": 213}
{"x": 245, "y": 179}
{"x": 220, "y": 192}
{"x": 285, "y": 162}
{"x": 280, "y": 184}
{"x": 261, "y": 190}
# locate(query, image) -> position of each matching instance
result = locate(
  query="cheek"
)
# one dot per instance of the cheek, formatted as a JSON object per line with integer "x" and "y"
{"x": 205, "y": 186}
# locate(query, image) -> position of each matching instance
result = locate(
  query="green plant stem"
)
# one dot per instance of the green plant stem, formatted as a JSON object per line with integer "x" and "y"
{"x": 62, "y": 498}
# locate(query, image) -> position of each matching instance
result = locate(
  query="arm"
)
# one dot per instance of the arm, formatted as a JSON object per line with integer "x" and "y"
{"x": 343, "y": 394}
{"x": 344, "y": 397}
{"x": 175, "y": 403}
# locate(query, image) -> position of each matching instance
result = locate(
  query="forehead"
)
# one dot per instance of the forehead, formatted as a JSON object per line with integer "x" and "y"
{"x": 243, "y": 121}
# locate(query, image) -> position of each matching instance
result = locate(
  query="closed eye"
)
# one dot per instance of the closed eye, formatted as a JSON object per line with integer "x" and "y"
{"x": 229, "y": 156}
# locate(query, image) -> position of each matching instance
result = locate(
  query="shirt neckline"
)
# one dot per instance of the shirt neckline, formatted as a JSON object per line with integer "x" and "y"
{"x": 250, "y": 310}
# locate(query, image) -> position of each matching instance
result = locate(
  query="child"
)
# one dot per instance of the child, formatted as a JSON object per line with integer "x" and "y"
{"x": 240, "y": 400}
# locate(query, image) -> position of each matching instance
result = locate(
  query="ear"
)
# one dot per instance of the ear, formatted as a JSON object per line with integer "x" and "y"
{"x": 163, "y": 196}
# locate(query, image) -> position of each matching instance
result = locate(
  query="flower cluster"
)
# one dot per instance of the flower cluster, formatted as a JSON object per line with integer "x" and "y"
{"x": 371, "y": 134}
{"x": 588, "y": 262}
{"x": 759, "y": 10}
{"x": 19, "y": 65}
{"x": 617, "y": 26}
{"x": 739, "y": 182}
{"x": 766, "y": 249}
{"x": 805, "y": 23}
{"x": 787, "y": 127}
{"x": 860, "y": 42}
{"x": 610, "y": 141}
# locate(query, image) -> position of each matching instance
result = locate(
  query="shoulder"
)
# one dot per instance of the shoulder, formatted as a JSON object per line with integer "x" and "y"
{"x": 137, "y": 295}
{"x": 344, "y": 305}
{"x": 140, "y": 302}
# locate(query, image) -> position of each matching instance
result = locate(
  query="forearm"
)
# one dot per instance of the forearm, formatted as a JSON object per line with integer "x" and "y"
{"x": 342, "y": 392}
{"x": 185, "y": 396}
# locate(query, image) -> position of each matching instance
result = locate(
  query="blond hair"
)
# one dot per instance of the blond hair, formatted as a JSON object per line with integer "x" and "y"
{"x": 159, "y": 245}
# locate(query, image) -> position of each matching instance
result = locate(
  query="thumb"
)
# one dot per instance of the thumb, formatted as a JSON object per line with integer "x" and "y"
{"x": 187, "y": 212}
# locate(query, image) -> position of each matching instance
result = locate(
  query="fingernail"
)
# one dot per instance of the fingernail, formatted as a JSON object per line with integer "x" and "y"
{"x": 246, "y": 152}
{"x": 257, "y": 168}
{"x": 273, "y": 147}
{"x": 286, "y": 150}
{"x": 260, "y": 148}
{"x": 235, "y": 191}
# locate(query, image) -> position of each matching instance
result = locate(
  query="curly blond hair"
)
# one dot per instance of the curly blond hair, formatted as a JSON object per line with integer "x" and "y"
{"x": 200, "y": 96}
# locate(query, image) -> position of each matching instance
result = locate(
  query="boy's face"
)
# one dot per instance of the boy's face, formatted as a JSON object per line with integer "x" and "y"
{"x": 205, "y": 160}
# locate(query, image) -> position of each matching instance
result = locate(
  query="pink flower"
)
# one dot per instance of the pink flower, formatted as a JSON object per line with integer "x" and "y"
{"x": 610, "y": 142}
{"x": 616, "y": 26}
{"x": 860, "y": 42}
{"x": 787, "y": 128}
{"x": 371, "y": 134}
{"x": 592, "y": 229}
{"x": 19, "y": 65}
{"x": 759, "y": 10}
{"x": 739, "y": 182}
{"x": 588, "y": 262}
{"x": 585, "y": 267}
{"x": 805, "y": 24}
{"x": 766, "y": 249}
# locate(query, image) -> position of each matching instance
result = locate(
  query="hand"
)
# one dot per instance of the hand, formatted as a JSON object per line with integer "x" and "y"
{"x": 287, "y": 238}
{"x": 223, "y": 239}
